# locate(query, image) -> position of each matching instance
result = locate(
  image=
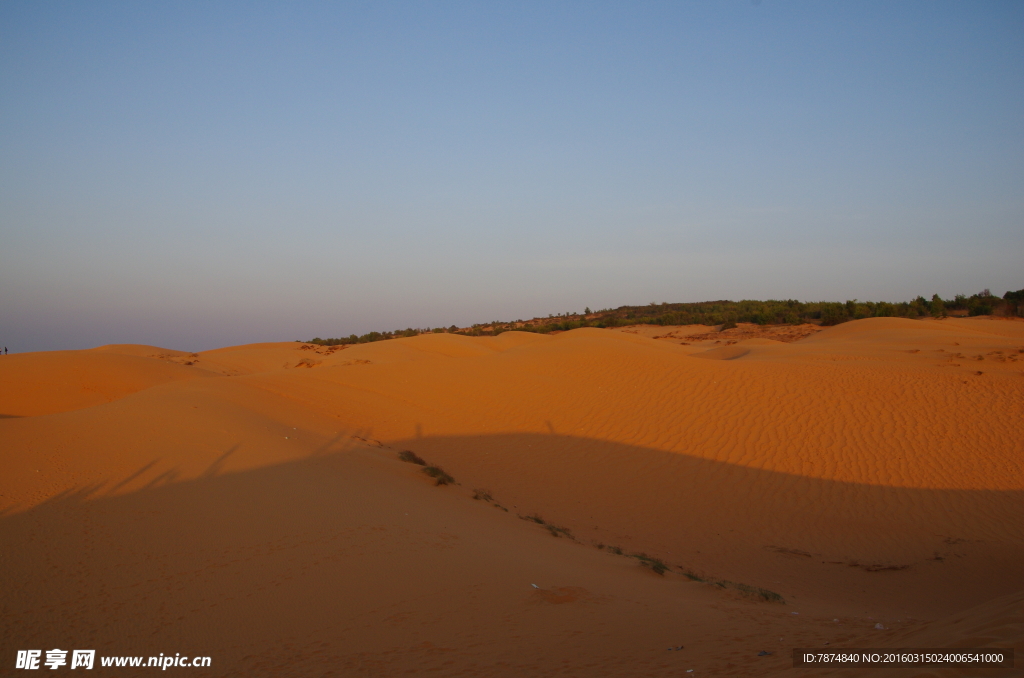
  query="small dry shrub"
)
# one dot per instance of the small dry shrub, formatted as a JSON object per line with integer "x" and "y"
{"x": 411, "y": 457}
{"x": 438, "y": 474}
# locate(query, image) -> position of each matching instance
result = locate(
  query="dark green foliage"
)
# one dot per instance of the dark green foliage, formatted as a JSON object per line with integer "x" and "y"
{"x": 352, "y": 339}
{"x": 438, "y": 474}
{"x": 411, "y": 457}
{"x": 832, "y": 313}
{"x": 1014, "y": 303}
{"x": 725, "y": 313}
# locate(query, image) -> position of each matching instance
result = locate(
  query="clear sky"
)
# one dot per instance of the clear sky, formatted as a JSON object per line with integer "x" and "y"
{"x": 194, "y": 175}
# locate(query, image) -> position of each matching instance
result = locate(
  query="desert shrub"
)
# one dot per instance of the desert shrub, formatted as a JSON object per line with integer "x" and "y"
{"x": 654, "y": 563}
{"x": 755, "y": 592}
{"x": 728, "y": 325}
{"x": 693, "y": 576}
{"x": 438, "y": 474}
{"x": 750, "y": 591}
{"x": 482, "y": 494}
{"x": 559, "y": 531}
{"x": 411, "y": 457}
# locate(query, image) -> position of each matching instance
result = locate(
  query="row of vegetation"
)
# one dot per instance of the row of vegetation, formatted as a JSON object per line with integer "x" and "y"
{"x": 657, "y": 565}
{"x": 435, "y": 472}
{"x": 727, "y": 314}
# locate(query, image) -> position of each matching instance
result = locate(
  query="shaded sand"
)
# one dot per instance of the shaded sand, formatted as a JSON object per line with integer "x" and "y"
{"x": 251, "y": 506}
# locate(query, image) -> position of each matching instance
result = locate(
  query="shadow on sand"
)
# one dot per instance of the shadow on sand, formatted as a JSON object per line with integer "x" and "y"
{"x": 164, "y": 562}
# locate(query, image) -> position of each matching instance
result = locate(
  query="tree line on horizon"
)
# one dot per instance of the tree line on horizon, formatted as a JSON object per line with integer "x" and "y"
{"x": 727, "y": 314}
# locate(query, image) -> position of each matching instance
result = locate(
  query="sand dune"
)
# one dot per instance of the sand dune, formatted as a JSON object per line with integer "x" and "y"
{"x": 58, "y": 381}
{"x": 251, "y": 505}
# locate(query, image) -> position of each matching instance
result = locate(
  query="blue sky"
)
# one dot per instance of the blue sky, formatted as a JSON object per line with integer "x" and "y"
{"x": 194, "y": 175}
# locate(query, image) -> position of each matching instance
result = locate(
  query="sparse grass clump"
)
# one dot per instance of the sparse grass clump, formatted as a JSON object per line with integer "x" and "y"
{"x": 487, "y": 497}
{"x": 660, "y": 567}
{"x": 559, "y": 531}
{"x": 655, "y": 564}
{"x": 438, "y": 474}
{"x": 555, "y": 530}
{"x": 435, "y": 472}
{"x": 751, "y": 591}
{"x": 758, "y": 592}
{"x": 770, "y": 596}
{"x": 411, "y": 457}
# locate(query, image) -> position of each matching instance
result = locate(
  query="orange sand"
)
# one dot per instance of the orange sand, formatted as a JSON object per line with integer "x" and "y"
{"x": 250, "y": 505}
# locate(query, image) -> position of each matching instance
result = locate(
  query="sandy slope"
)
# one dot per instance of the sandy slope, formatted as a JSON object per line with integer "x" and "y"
{"x": 251, "y": 506}
{"x": 58, "y": 381}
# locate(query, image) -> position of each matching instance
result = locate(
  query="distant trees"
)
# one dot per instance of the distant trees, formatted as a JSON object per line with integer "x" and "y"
{"x": 832, "y": 313}
{"x": 723, "y": 312}
{"x": 1014, "y": 302}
